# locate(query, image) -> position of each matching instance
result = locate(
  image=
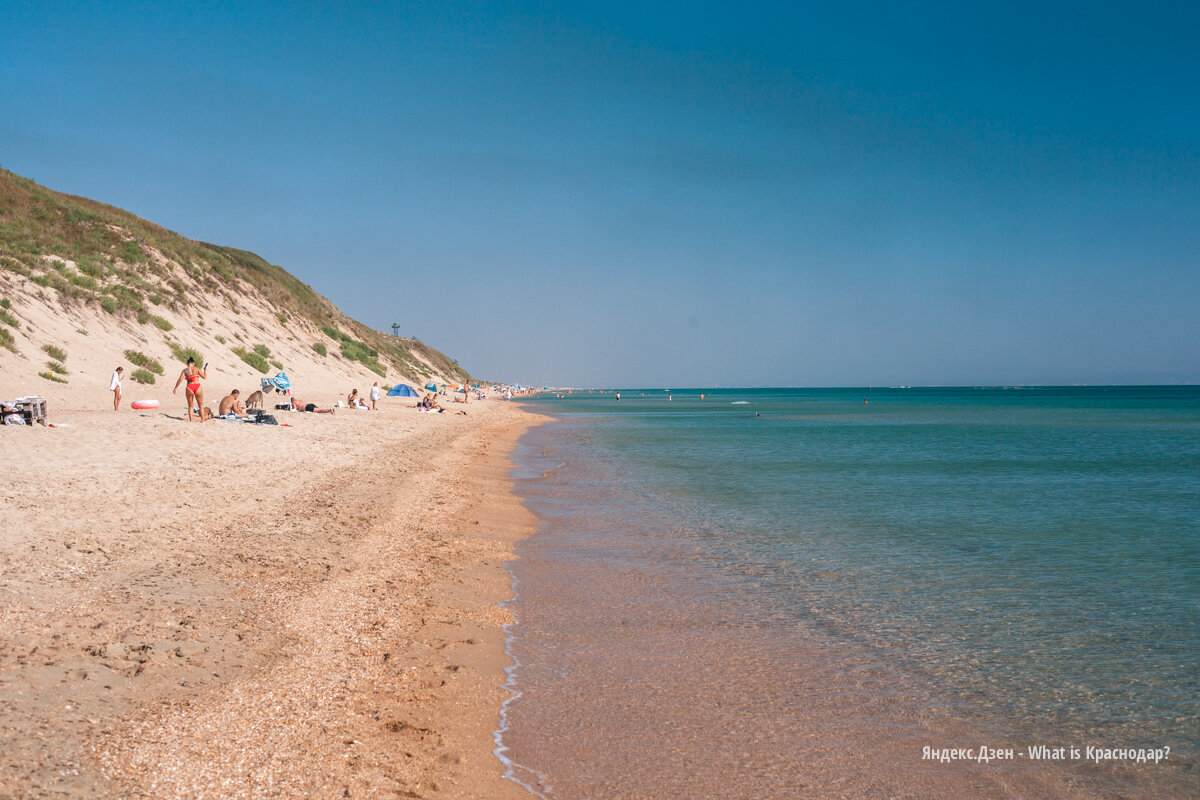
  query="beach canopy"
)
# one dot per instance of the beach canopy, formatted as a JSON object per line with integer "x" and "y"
{"x": 431, "y": 386}
{"x": 402, "y": 390}
{"x": 279, "y": 383}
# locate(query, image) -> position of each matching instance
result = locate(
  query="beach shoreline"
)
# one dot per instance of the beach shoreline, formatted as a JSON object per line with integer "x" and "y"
{"x": 231, "y": 610}
{"x": 691, "y": 671}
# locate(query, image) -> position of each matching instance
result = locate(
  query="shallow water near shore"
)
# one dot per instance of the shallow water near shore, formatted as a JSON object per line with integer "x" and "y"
{"x": 802, "y": 601}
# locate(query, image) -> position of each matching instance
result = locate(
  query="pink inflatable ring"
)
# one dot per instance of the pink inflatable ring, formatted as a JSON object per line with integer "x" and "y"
{"x": 144, "y": 404}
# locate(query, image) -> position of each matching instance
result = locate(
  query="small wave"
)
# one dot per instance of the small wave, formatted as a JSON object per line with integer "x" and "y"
{"x": 740, "y": 403}
{"x": 523, "y": 776}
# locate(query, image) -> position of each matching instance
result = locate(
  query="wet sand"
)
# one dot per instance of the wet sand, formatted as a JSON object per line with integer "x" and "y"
{"x": 241, "y": 611}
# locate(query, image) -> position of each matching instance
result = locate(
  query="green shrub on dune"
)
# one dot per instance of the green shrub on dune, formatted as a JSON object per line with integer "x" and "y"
{"x": 142, "y": 360}
{"x": 184, "y": 353}
{"x": 253, "y": 359}
{"x": 360, "y": 352}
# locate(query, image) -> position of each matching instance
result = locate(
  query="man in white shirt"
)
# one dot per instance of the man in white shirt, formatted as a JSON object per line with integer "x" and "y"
{"x": 114, "y": 386}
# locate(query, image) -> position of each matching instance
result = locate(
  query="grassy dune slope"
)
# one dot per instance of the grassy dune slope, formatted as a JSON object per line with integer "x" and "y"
{"x": 78, "y": 276}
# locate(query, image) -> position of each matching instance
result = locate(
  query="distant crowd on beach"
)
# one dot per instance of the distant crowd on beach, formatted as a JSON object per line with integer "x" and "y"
{"x": 232, "y": 406}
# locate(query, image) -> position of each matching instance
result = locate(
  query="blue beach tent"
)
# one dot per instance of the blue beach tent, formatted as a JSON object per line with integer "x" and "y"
{"x": 431, "y": 386}
{"x": 402, "y": 390}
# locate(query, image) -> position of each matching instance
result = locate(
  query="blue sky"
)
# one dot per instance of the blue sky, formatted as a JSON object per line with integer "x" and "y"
{"x": 663, "y": 194}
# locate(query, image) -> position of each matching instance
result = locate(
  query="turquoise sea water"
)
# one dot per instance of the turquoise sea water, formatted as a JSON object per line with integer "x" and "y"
{"x": 1030, "y": 557}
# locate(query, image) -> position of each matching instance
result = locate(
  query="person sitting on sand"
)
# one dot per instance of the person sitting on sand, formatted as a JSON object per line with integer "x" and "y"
{"x": 428, "y": 403}
{"x": 352, "y": 399}
{"x": 230, "y": 404}
{"x": 194, "y": 392}
{"x": 299, "y": 405}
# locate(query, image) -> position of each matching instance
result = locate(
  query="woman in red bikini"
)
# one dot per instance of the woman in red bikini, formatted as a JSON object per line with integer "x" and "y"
{"x": 194, "y": 391}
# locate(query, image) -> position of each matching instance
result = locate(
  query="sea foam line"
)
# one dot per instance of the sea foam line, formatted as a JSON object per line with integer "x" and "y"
{"x": 511, "y": 767}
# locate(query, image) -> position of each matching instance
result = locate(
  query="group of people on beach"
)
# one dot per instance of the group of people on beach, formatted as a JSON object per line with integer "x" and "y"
{"x": 190, "y": 378}
{"x": 429, "y": 403}
{"x": 231, "y": 404}
{"x": 354, "y": 401}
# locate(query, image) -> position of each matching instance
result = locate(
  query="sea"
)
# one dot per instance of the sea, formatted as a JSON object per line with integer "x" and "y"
{"x": 902, "y": 592}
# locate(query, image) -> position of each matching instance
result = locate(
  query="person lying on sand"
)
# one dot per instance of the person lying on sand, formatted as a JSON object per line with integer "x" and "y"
{"x": 203, "y": 413}
{"x": 230, "y": 404}
{"x": 299, "y": 405}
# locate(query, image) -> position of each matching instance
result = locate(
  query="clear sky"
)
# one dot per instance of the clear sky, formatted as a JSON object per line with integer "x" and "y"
{"x": 602, "y": 193}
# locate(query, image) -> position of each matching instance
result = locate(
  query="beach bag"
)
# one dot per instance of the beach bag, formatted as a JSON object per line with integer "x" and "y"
{"x": 266, "y": 419}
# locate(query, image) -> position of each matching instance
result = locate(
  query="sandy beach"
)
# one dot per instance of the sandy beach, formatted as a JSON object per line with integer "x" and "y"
{"x": 228, "y": 610}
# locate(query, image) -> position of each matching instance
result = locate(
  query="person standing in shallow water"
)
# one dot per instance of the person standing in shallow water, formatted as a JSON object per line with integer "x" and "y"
{"x": 618, "y": 396}
{"x": 114, "y": 386}
{"x": 194, "y": 391}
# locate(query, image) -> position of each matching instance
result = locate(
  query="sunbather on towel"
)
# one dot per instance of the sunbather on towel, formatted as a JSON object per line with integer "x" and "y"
{"x": 299, "y": 405}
